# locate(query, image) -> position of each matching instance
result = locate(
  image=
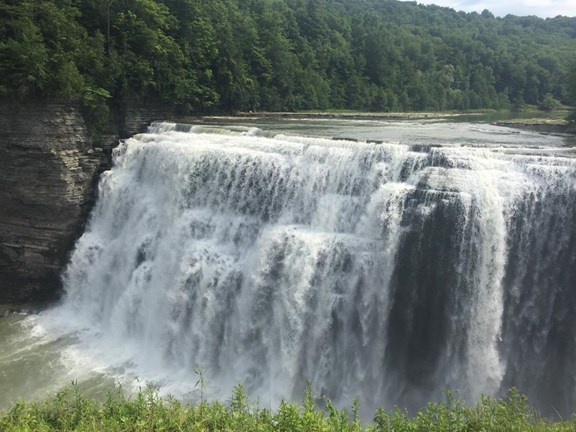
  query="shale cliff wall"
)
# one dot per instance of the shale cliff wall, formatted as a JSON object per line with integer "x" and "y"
{"x": 48, "y": 176}
{"x": 47, "y": 172}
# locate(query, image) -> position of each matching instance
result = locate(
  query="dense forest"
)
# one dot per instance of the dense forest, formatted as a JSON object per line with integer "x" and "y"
{"x": 378, "y": 55}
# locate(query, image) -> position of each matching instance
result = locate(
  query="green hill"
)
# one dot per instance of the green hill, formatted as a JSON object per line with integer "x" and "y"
{"x": 380, "y": 55}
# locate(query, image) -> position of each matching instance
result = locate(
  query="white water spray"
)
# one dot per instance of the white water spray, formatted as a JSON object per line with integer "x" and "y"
{"x": 373, "y": 271}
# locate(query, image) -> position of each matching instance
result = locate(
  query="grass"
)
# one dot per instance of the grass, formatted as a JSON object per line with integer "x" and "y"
{"x": 69, "y": 410}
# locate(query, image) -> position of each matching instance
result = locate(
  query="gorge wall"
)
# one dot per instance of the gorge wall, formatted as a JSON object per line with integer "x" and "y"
{"x": 48, "y": 173}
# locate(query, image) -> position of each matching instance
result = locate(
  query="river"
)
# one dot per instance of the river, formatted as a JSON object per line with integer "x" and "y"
{"x": 385, "y": 261}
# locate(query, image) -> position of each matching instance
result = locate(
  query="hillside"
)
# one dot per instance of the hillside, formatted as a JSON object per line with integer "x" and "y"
{"x": 379, "y": 55}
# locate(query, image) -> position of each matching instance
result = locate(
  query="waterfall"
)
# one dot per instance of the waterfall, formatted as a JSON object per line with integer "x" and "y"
{"x": 387, "y": 273}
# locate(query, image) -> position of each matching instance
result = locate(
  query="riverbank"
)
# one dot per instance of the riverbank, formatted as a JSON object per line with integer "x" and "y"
{"x": 351, "y": 115}
{"x": 555, "y": 125}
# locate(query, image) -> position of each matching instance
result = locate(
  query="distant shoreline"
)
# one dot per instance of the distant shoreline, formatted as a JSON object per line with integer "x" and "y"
{"x": 540, "y": 125}
{"x": 537, "y": 124}
{"x": 351, "y": 115}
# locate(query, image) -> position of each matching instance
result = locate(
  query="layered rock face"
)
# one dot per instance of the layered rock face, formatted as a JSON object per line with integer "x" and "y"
{"x": 48, "y": 171}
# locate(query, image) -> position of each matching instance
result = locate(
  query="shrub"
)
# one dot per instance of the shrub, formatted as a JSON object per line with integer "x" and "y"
{"x": 69, "y": 410}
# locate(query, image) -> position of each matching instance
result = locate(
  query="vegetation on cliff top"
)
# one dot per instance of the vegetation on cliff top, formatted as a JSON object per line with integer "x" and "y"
{"x": 380, "y": 55}
{"x": 70, "y": 411}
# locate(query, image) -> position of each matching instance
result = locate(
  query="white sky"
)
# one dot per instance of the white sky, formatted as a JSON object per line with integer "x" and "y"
{"x": 541, "y": 8}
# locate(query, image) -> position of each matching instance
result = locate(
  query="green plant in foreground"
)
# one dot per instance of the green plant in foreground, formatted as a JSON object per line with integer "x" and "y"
{"x": 69, "y": 410}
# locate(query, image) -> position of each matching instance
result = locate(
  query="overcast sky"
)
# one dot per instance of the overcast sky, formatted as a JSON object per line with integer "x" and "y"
{"x": 541, "y": 8}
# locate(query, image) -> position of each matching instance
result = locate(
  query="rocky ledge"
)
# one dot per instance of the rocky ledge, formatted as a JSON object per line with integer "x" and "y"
{"x": 48, "y": 170}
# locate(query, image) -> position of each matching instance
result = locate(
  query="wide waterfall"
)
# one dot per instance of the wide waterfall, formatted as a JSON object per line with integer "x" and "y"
{"x": 383, "y": 272}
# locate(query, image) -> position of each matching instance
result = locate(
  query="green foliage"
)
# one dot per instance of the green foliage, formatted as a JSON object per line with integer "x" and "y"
{"x": 69, "y": 410}
{"x": 96, "y": 111}
{"x": 282, "y": 55}
{"x": 23, "y": 58}
{"x": 549, "y": 103}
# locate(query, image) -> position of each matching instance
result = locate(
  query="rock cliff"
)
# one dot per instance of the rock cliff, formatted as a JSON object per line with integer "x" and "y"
{"x": 48, "y": 173}
{"x": 48, "y": 169}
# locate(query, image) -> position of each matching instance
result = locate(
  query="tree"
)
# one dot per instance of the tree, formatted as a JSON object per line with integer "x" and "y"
{"x": 282, "y": 55}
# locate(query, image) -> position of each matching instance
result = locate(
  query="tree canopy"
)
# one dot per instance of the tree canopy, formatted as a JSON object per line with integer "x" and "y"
{"x": 379, "y": 55}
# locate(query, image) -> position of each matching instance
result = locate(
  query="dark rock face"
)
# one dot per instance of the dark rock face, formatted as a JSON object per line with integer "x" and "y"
{"x": 133, "y": 117}
{"x": 48, "y": 171}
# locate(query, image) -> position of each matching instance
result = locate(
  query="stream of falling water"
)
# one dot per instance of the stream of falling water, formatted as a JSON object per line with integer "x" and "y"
{"x": 384, "y": 272}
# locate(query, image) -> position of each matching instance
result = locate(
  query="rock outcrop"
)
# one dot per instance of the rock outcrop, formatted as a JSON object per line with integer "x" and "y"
{"x": 48, "y": 170}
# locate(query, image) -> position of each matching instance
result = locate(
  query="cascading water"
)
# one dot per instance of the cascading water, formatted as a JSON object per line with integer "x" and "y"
{"x": 382, "y": 272}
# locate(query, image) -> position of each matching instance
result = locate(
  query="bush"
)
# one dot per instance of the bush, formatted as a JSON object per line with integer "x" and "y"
{"x": 549, "y": 104}
{"x": 69, "y": 410}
